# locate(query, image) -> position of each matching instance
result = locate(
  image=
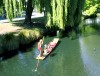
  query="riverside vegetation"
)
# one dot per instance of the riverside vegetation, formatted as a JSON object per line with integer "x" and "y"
{"x": 13, "y": 40}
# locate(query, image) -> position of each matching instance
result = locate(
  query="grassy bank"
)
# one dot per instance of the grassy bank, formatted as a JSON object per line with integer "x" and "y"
{"x": 14, "y": 40}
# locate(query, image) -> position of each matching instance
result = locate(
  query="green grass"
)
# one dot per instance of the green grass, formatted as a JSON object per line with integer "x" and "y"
{"x": 12, "y": 41}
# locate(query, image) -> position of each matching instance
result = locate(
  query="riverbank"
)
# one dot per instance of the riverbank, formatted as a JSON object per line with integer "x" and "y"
{"x": 13, "y": 37}
{"x": 16, "y": 35}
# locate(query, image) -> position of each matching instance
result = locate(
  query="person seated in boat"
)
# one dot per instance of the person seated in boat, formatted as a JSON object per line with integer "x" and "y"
{"x": 45, "y": 50}
{"x": 52, "y": 44}
{"x": 40, "y": 47}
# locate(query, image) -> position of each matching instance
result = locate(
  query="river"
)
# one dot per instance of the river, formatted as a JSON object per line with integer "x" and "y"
{"x": 78, "y": 57}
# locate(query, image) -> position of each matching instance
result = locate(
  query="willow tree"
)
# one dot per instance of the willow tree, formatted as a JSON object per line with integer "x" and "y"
{"x": 58, "y": 13}
{"x": 1, "y": 7}
{"x": 13, "y": 7}
{"x": 64, "y": 13}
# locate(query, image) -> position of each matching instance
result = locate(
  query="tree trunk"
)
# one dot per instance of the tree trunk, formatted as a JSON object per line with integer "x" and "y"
{"x": 29, "y": 11}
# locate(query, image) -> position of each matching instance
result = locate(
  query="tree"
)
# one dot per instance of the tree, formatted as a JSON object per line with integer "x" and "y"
{"x": 59, "y": 13}
{"x": 13, "y": 7}
{"x": 91, "y": 7}
{"x": 29, "y": 10}
{"x": 1, "y": 7}
{"x": 63, "y": 13}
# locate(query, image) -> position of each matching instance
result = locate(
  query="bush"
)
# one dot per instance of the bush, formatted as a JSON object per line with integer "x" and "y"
{"x": 26, "y": 36}
{"x": 92, "y": 10}
{"x": 10, "y": 42}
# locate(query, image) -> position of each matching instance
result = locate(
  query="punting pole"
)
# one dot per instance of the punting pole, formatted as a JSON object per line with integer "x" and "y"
{"x": 37, "y": 65}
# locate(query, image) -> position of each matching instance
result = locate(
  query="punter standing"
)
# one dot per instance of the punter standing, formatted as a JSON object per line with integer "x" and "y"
{"x": 40, "y": 46}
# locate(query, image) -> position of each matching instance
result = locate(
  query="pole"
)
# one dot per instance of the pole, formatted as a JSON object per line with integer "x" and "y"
{"x": 37, "y": 65}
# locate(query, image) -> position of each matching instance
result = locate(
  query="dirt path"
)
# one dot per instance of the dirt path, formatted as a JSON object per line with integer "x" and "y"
{"x": 8, "y": 27}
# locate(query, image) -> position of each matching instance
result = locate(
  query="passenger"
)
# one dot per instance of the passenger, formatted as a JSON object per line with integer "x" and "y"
{"x": 52, "y": 44}
{"x": 45, "y": 50}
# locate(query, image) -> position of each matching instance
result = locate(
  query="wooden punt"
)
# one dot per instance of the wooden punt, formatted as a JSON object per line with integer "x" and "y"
{"x": 50, "y": 48}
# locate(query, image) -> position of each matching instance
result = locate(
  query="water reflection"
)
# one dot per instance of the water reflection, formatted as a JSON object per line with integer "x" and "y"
{"x": 97, "y": 20}
{"x": 36, "y": 52}
{"x": 88, "y": 21}
{"x": 20, "y": 55}
{"x": 92, "y": 21}
{"x": 90, "y": 57}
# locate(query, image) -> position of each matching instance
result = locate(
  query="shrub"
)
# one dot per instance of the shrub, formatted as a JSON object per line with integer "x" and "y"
{"x": 10, "y": 42}
{"x": 26, "y": 36}
{"x": 91, "y": 10}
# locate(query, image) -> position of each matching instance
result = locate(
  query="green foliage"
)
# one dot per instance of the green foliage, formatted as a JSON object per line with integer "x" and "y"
{"x": 26, "y": 36}
{"x": 56, "y": 16}
{"x": 1, "y": 11}
{"x": 89, "y": 29}
{"x": 90, "y": 3}
{"x": 62, "y": 13}
{"x": 10, "y": 42}
{"x": 71, "y": 12}
{"x": 12, "y": 8}
{"x": 9, "y": 9}
{"x": 72, "y": 34}
{"x": 91, "y": 7}
{"x": 91, "y": 10}
{"x": 58, "y": 13}
{"x": 37, "y": 32}
{"x": 1, "y": 7}
{"x": 39, "y": 4}
{"x": 1, "y": 50}
{"x": 20, "y": 9}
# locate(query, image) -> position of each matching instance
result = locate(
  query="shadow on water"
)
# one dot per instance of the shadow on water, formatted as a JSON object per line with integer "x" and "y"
{"x": 90, "y": 27}
{"x": 53, "y": 54}
{"x": 22, "y": 49}
{"x": 25, "y": 48}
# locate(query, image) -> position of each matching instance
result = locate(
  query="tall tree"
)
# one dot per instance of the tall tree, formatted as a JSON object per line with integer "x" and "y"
{"x": 59, "y": 13}
{"x": 63, "y": 13}
{"x": 1, "y": 7}
{"x": 13, "y": 7}
{"x": 91, "y": 7}
{"x": 29, "y": 10}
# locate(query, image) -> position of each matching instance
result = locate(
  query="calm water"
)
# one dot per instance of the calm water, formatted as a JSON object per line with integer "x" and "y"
{"x": 78, "y": 57}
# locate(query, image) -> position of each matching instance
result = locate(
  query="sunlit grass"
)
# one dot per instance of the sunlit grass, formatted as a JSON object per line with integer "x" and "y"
{"x": 38, "y": 32}
{"x": 26, "y": 36}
